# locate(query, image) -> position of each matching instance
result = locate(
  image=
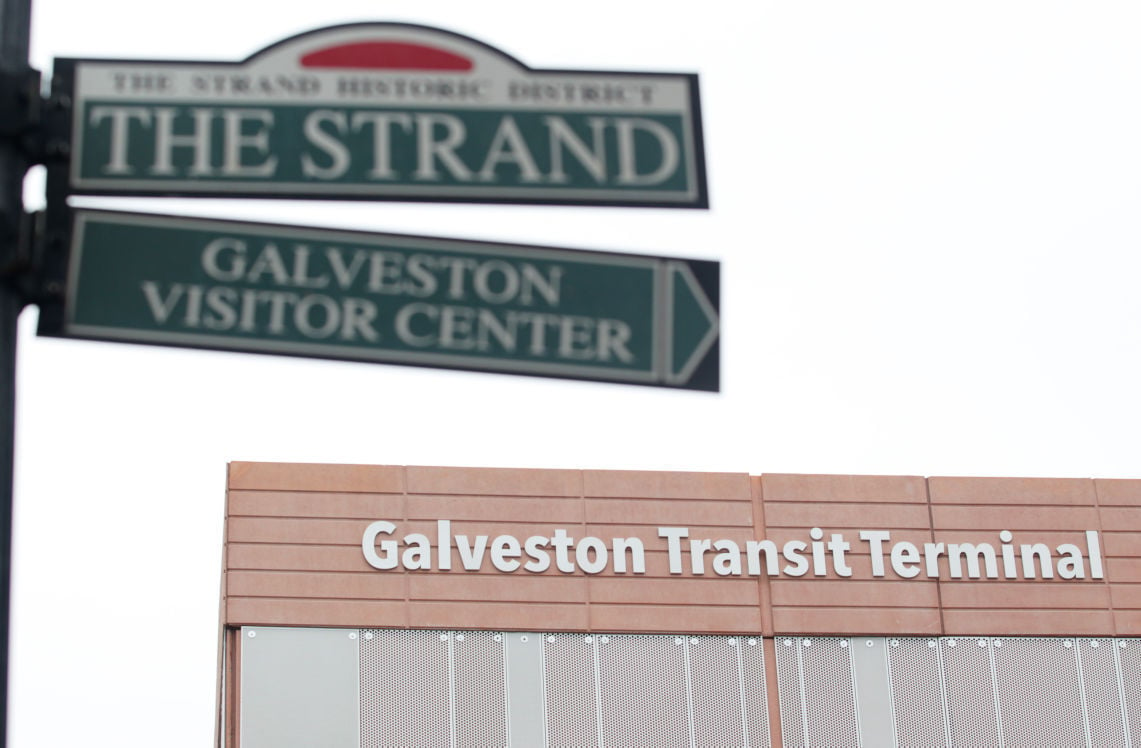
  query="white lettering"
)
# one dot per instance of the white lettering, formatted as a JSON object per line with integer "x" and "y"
{"x": 594, "y": 555}
{"x": 1093, "y": 543}
{"x": 875, "y": 540}
{"x": 586, "y": 548}
{"x": 793, "y": 551}
{"x": 335, "y": 152}
{"x": 236, "y": 141}
{"x": 673, "y": 536}
{"x": 540, "y": 559}
{"x": 637, "y": 552}
{"x": 368, "y": 545}
{"x": 121, "y": 118}
{"x": 471, "y": 556}
{"x": 504, "y": 550}
{"x": 903, "y": 554}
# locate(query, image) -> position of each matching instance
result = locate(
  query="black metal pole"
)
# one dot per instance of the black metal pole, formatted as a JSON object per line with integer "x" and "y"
{"x": 15, "y": 30}
{"x": 10, "y": 306}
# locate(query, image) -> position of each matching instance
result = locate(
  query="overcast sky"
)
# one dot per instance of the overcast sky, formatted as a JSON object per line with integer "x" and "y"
{"x": 928, "y": 217}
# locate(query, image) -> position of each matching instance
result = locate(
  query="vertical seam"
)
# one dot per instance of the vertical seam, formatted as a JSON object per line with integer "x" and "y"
{"x": 760, "y": 529}
{"x": 1104, "y": 560}
{"x": 587, "y": 578}
{"x": 404, "y": 518}
{"x": 1082, "y": 692}
{"x": 939, "y": 578}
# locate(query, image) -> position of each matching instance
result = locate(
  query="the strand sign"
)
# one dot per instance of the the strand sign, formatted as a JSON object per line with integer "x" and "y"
{"x": 383, "y": 111}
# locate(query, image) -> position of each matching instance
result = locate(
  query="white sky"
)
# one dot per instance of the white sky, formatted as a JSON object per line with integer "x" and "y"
{"x": 928, "y": 217}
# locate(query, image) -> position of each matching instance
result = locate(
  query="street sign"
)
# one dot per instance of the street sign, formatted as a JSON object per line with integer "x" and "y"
{"x": 390, "y": 298}
{"x": 380, "y": 111}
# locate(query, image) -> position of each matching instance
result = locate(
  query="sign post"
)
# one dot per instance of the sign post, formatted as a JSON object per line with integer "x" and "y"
{"x": 15, "y": 26}
{"x": 389, "y": 298}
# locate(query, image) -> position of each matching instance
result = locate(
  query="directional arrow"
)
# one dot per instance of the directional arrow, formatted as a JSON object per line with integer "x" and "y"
{"x": 693, "y": 323}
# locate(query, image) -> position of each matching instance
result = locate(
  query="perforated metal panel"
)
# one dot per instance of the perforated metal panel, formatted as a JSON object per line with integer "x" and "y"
{"x": 718, "y": 700}
{"x": 405, "y": 689}
{"x": 480, "y": 699}
{"x": 571, "y": 691}
{"x": 1039, "y": 690}
{"x": 826, "y": 666}
{"x": 816, "y": 673}
{"x": 917, "y": 692}
{"x": 620, "y": 690}
{"x": 971, "y": 707}
{"x": 642, "y": 690}
{"x": 1104, "y": 709}
{"x": 790, "y": 688}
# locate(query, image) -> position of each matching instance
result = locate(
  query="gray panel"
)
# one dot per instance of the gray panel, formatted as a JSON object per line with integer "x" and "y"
{"x": 642, "y": 690}
{"x": 480, "y": 701}
{"x": 1039, "y": 691}
{"x": 405, "y": 689}
{"x": 571, "y": 691}
{"x": 299, "y": 688}
{"x": 715, "y": 686}
{"x": 873, "y": 690}
{"x": 525, "y": 690}
{"x": 917, "y": 693}
{"x": 1105, "y": 711}
{"x": 971, "y": 707}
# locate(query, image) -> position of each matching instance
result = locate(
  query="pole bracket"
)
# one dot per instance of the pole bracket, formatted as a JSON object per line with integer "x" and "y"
{"x": 21, "y": 109}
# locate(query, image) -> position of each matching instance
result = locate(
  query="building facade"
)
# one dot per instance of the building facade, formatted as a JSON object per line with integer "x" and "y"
{"x": 431, "y": 606}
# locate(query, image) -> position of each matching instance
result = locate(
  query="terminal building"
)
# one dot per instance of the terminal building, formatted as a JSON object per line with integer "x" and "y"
{"x": 369, "y": 606}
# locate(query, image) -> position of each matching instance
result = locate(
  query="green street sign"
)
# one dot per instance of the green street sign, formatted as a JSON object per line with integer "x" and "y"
{"x": 379, "y": 111}
{"x": 389, "y": 298}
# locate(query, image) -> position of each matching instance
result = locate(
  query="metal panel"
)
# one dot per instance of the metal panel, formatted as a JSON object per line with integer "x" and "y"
{"x": 971, "y": 706}
{"x": 829, "y": 692}
{"x": 299, "y": 688}
{"x": 873, "y": 690}
{"x": 479, "y": 700}
{"x": 1104, "y": 708}
{"x": 339, "y": 688}
{"x": 917, "y": 692}
{"x": 525, "y": 692}
{"x": 1039, "y": 691}
{"x": 1129, "y": 657}
{"x": 754, "y": 689}
{"x": 790, "y": 692}
{"x": 715, "y": 686}
{"x": 571, "y": 691}
{"x": 642, "y": 690}
{"x": 817, "y": 692}
{"x": 961, "y": 691}
{"x": 405, "y": 689}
